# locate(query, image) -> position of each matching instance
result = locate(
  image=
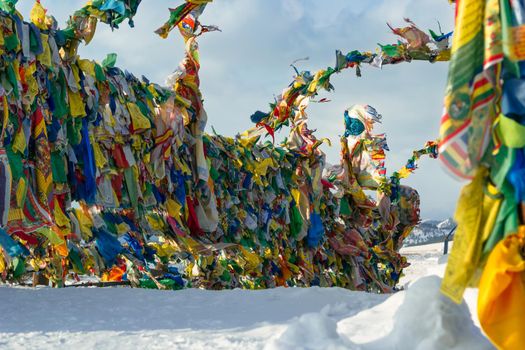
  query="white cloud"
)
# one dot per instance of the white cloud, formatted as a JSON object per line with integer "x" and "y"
{"x": 294, "y": 9}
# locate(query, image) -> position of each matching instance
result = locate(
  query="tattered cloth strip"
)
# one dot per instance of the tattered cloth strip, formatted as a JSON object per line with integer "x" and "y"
{"x": 179, "y": 13}
{"x": 415, "y": 45}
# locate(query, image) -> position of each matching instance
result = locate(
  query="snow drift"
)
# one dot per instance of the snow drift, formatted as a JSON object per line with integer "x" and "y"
{"x": 281, "y": 318}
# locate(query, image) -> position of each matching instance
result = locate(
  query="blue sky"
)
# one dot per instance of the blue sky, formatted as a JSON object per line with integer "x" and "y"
{"x": 247, "y": 64}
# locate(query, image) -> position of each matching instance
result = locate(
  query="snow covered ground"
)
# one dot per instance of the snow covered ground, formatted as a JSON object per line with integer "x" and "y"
{"x": 293, "y": 318}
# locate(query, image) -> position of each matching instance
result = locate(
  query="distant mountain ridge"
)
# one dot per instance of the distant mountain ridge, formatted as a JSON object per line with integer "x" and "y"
{"x": 430, "y": 231}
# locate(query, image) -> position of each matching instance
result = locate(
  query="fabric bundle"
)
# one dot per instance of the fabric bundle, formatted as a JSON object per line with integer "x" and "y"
{"x": 482, "y": 133}
{"x": 104, "y": 174}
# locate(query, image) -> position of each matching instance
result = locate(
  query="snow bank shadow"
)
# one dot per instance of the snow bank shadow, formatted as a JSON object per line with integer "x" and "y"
{"x": 424, "y": 320}
{"x": 428, "y": 320}
{"x": 310, "y": 332}
{"x": 125, "y": 309}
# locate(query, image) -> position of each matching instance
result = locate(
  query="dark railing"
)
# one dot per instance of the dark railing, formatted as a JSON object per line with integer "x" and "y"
{"x": 447, "y": 239}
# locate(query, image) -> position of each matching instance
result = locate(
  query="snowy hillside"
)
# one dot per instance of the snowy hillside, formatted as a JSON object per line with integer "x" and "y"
{"x": 429, "y": 231}
{"x": 293, "y": 318}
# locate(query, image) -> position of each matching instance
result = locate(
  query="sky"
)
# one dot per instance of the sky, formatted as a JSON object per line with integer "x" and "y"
{"x": 246, "y": 65}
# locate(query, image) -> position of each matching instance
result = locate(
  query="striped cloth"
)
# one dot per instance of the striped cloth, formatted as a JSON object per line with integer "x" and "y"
{"x": 6, "y": 177}
{"x": 5, "y": 187}
{"x": 473, "y": 89}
